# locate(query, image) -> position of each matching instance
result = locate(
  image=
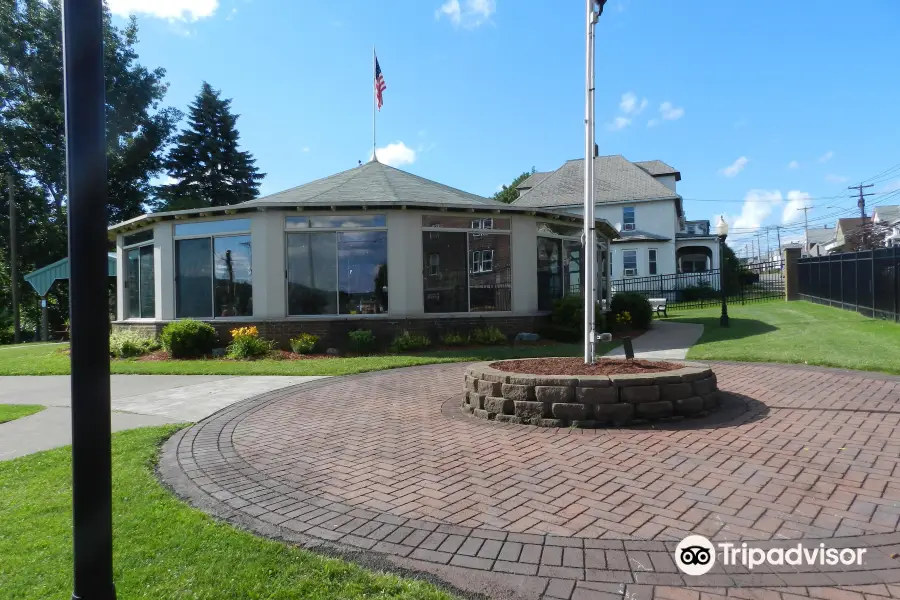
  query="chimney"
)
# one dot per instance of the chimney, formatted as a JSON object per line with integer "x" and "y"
{"x": 596, "y": 150}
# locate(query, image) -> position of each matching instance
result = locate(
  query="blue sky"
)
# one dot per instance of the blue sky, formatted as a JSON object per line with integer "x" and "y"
{"x": 764, "y": 106}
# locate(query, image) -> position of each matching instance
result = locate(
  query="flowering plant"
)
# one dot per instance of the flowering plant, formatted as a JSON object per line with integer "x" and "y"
{"x": 242, "y": 331}
{"x": 623, "y": 318}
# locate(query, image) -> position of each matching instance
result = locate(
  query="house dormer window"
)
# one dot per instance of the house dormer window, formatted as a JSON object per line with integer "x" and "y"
{"x": 628, "y": 218}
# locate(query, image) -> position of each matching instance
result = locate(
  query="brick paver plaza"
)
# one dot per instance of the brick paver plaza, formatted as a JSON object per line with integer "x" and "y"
{"x": 387, "y": 464}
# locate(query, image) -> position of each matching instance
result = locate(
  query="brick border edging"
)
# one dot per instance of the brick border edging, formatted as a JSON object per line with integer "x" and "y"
{"x": 341, "y": 528}
{"x": 589, "y": 401}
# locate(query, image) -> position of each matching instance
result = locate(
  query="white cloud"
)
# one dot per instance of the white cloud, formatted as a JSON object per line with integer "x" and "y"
{"x": 832, "y": 178}
{"x": 172, "y": 10}
{"x": 396, "y": 154}
{"x": 793, "y": 165}
{"x": 471, "y": 14}
{"x": 669, "y": 112}
{"x": 758, "y": 205}
{"x": 630, "y": 104}
{"x": 619, "y": 123}
{"x": 795, "y": 201}
{"x": 652, "y": 122}
{"x": 735, "y": 167}
{"x": 826, "y": 157}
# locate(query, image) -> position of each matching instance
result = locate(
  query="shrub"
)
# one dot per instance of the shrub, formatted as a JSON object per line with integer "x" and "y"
{"x": 188, "y": 338}
{"x": 407, "y": 341}
{"x": 362, "y": 340}
{"x": 129, "y": 342}
{"x": 452, "y": 338}
{"x": 247, "y": 344}
{"x": 635, "y": 305}
{"x": 567, "y": 320}
{"x": 6, "y": 335}
{"x": 304, "y": 343}
{"x": 489, "y": 336}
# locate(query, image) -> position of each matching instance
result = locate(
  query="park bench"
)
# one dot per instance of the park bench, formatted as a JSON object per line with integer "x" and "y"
{"x": 659, "y": 305}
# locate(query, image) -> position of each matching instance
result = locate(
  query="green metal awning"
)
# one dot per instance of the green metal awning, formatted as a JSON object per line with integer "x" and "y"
{"x": 42, "y": 279}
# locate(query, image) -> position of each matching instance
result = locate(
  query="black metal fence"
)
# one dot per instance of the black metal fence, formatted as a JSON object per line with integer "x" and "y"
{"x": 753, "y": 283}
{"x": 867, "y": 282}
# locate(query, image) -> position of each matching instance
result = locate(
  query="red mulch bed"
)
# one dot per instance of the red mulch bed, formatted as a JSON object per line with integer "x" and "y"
{"x": 576, "y": 366}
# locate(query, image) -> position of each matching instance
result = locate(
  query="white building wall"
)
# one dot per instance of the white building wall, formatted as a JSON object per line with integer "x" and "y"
{"x": 667, "y": 180}
{"x": 658, "y": 218}
{"x": 523, "y": 254}
{"x": 405, "y": 281}
{"x": 267, "y": 244}
{"x": 665, "y": 258}
{"x": 164, "y": 270}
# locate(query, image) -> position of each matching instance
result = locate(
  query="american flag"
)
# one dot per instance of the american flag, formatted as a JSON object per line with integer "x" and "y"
{"x": 380, "y": 86}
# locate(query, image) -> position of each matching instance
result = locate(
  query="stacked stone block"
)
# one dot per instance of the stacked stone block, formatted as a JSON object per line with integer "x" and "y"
{"x": 589, "y": 401}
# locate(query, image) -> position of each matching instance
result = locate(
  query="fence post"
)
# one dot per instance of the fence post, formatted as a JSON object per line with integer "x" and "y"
{"x": 873, "y": 281}
{"x": 856, "y": 277}
{"x": 842, "y": 280}
{"x": 791, "y": 279}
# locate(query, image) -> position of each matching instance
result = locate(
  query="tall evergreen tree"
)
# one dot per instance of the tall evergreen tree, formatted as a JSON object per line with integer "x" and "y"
{"x": 33, "y": 145}
{"x": 206, "y": 166}
{"x": 509, "y": 194}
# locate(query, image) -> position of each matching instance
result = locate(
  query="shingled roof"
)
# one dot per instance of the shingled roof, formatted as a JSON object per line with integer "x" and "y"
{"x": 615, "y": 180}
{"x": 372, "y": 183}
{"x": 658, "y": 168}
{"x": 533, "y": 180}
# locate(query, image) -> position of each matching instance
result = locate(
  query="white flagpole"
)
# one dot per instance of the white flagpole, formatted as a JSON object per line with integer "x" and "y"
{"x": 592, "y": 249}
{"x": 588, "y": 207}
{"x": 374, "y": 103}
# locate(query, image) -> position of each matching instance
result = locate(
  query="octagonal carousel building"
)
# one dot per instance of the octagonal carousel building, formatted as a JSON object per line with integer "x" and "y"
{"x": 372, "y": 248}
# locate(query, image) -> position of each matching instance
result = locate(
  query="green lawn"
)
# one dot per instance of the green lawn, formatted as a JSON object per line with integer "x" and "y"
{"x": 163, "y": 548}
{"x": 796, "y": 332}
{"x": 11, "y": 412}
{"x": 51, "y": 360}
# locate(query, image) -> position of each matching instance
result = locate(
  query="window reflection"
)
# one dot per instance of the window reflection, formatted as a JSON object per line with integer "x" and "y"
{"x": 312, "y": 274}
{"x": 233, "y": 276}
{"x": 193, "y": 278}
{"x": 362, "y": 272}
{"x": 207, "y": 227}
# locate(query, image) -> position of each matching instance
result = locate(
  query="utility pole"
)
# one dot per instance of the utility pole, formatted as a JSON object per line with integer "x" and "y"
{"x": 805, "y": 210}
{"x": 862, "y": 208}
{"x": 14, "y": 261}
{"x": 768, "y": 249}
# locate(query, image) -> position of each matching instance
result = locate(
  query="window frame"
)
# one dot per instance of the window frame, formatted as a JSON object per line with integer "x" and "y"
{"x": 434, "y": 264}
{"x": 212, "y": 251}
{"x": 626, "y": 226}
{"x": 337, "y": 231}
{"x": 652, "y": 261}
{"x": 625, "y": 268}
{"x": 474, "y": 231}
{"x": 125, "y": 249}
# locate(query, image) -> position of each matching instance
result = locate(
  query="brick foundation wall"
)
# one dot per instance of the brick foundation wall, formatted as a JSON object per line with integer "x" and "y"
{"x": 333, "y": 333}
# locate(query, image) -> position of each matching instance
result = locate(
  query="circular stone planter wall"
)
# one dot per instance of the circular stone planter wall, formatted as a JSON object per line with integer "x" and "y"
{"x": 589, "y": 400}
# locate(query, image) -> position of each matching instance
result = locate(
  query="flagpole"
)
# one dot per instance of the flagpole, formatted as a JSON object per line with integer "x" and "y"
{"x": 374, "y": 102}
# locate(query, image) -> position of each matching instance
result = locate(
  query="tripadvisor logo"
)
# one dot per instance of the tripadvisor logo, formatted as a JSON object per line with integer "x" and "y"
{"x": 696, "y": 555}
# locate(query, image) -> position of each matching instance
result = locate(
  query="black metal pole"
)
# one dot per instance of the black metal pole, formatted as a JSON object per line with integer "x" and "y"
{"x": 89, "y": 321}
{"x": 723, "y": 320}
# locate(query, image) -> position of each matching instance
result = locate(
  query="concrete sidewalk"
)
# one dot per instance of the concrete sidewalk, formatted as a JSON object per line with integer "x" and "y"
{"x": 665, "y": 339}
{"x": 137, "y": 401}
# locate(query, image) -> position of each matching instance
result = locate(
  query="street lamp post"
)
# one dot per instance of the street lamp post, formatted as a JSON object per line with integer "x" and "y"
{"x": 722, "y": 232}
{"x": 85, "y": 110}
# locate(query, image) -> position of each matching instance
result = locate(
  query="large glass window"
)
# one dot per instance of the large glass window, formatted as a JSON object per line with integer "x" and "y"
{"x": 549, "y": 271}
{"x": 209, "y": 227}
{"x": 466, "y": 270}
{"x": 193, "y": 278}
{"x": 337, "y": 272}
{"x": 559, "y": 270}
{"x": 233, "y": 276}
{"x": 446, "y": 288}
{"x": 214, "y": 277}
{"x": 140, "y": 291}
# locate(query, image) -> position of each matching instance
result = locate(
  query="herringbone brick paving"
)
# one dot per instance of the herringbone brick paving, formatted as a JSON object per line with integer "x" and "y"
{"x": 387, "y": 462}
